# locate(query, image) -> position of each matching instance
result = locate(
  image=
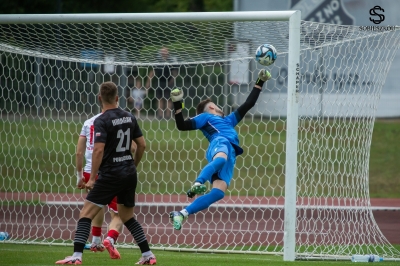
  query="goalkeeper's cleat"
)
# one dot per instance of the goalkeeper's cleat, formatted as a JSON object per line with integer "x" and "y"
{"x": 177, "y": 219}
{"x": 97, "y": 247}
{"x": 70, "y": 261}
{"x": 197, "y": 188}
{"x": 114, "y": 254}
{"x": 150, "y": 260}
{"x": 87, "y": 246}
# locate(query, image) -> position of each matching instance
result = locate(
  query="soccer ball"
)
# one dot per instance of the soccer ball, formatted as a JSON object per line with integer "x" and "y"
{"x": 4, "y": 236}
{"x": 266, "y": 54}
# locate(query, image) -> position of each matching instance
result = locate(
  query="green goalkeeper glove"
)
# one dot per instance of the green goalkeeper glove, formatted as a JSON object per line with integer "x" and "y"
{"x": 263, "y": 76}
{"x": 177, "y": 97}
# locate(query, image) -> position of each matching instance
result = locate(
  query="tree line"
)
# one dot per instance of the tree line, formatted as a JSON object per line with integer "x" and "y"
{"x": 107, "y": 6}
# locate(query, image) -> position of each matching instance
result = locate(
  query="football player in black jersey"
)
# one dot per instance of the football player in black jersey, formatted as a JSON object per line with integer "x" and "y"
{"x": 112, "y": 159}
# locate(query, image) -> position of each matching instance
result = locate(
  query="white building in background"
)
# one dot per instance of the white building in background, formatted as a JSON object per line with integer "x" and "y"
{"x": 345, "y": 12}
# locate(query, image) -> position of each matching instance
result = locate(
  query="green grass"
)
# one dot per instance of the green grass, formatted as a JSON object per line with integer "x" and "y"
{"x": 24, "y": 255}
{"x": 38, "y": 155}
{"x": 384, "y": 168}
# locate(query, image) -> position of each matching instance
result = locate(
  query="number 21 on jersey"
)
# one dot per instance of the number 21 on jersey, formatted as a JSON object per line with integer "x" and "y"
{"x": 121, "y": 135}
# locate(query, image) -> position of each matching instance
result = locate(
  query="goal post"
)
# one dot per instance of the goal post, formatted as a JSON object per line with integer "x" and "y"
{"x": 292, "y": 119}
{"x": 300, "y": 189}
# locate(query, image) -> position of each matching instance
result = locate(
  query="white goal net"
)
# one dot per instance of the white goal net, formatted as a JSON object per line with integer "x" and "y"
{"x": 49, "y": 77}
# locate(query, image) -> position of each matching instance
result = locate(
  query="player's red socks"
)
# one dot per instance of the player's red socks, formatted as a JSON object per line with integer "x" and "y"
{"x": 96, "y": 231}
{"x": 113, "y": 234}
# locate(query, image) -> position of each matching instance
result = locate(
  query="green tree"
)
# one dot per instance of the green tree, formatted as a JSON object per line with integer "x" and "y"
{"x": 105, "y": 6}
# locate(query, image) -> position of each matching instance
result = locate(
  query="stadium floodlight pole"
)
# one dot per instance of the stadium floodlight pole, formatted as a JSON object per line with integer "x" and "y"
{"x": 292, "y": 137}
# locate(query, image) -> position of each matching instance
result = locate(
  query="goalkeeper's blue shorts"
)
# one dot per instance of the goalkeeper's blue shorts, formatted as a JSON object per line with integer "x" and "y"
{"x": 221, "y": 144}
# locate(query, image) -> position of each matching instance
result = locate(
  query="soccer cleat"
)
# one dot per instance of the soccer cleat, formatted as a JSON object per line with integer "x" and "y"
{"x": 177, "y": 219}
{"x": 196, "y": 189}
{"x": 151, "y": 260}
{"x": 70, "y": 261}
{"x": 114, "y": 254}
{"x": 97, "y": 247}
{"x": 87, "y": 246}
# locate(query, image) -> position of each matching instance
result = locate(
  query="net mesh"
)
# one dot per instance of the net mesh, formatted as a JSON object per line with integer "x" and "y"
{"x": 50, "y": 77}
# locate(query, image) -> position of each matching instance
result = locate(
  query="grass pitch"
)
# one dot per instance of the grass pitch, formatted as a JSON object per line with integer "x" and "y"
{"x": 35, "y": 255}
{"x": 38, "y": 155}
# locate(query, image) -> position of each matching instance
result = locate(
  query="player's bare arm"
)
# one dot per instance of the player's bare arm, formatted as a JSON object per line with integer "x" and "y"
{"x": 80, "y": 151}
{"x": 149, "y": 78}
{"x": 97, "y": 157}
{"x": 174, "y": 74}
{"x": 140, "y": 148}
{"x": 133, "y": 147}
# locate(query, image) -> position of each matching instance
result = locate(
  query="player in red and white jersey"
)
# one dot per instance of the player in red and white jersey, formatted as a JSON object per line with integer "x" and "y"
{"x": 87, "y": 135}
{"x": 85, "y": 146}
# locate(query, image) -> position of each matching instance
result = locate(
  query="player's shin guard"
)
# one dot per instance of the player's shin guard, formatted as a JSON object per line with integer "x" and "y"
{"x": 82, "y": 234}
{"x": 137, "y": 232}
{"x": 210, "y": 169}
{"x": 205, "y": 201}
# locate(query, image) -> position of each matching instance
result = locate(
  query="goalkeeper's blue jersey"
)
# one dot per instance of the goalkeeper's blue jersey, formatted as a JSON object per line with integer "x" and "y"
{"x": 214, "y": 126}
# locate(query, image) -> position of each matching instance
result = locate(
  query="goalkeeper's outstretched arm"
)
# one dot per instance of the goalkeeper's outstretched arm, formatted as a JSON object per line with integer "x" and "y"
{"x": 177, "y": 96}
{"x": 181, "y": 124}
{"x": 251, "y": 100}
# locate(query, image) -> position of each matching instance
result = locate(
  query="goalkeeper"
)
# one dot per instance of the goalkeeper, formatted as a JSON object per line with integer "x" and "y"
{"x": 222, "y": 151}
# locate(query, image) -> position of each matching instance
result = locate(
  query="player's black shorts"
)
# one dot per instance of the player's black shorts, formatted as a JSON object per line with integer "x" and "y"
{"x": 107, "y": 187}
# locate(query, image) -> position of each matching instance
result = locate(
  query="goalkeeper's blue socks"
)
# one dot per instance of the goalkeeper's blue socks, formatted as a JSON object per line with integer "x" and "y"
{"x": 205, "y": 201}
{"x": 210, "y": 169}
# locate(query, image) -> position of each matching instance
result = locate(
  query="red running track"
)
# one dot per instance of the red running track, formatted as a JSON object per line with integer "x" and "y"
{"x": 229, "y": 222}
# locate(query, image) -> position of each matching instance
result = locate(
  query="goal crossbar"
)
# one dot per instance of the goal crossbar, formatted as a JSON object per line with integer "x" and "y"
{"x": 148, "y": 17}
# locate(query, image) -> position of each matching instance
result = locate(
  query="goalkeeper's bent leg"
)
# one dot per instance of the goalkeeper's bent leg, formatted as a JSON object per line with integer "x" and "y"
{"x": 205, "y": 201}
{"x": 211, "y": 168}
